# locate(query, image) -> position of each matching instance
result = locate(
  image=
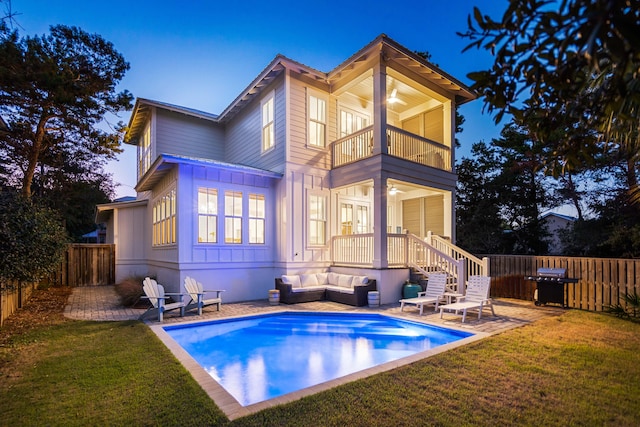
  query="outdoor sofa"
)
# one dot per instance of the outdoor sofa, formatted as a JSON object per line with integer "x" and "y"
{"x": 342, "y": 288}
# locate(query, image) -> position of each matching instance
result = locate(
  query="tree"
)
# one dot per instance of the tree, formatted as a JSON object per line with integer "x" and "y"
{"x": 570, "y": 65}
{"x": 501, "y": 193}
{"x": 32, "y": 238}
{"x": 55, "y": 92}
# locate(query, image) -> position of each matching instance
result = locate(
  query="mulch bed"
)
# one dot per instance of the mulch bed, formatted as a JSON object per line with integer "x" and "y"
{"x": 45, "y": 307}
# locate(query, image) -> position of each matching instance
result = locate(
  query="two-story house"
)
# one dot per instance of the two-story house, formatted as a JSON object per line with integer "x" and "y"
{"x": 306, "y": 171}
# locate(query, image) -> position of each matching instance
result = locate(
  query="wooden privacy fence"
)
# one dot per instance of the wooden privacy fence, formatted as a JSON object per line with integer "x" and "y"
{"x": 12, "y": 297}
{"x": 601, "y": 281}
{"x": 86, "y": 265}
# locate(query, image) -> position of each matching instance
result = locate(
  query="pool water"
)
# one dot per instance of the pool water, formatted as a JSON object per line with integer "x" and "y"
{"x": 258, "y": 358}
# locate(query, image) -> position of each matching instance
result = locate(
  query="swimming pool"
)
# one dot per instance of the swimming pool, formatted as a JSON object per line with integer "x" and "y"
{"x": 261, "y": 357}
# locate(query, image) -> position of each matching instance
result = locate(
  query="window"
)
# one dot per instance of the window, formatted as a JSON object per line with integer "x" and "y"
{"x": 144, "y": 151}
{"x": 317, "y": 121}
{"x": 256, "y": 218}
{"x": 268, "y": 131}
{"x": 317, "y": 205}
{"x": 164, "y": 220}
{"x": 207, "y": 215}
{"x": 232, "y": 217}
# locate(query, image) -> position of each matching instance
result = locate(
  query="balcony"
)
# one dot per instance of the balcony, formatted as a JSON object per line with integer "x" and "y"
{"x": 400, "y": 143}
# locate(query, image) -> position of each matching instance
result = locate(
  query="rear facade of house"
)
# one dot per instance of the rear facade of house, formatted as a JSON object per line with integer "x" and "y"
{"x": 350, "y": 170}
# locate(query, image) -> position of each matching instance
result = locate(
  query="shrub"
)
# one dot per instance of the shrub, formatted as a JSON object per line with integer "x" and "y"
{"x": 130, "y": 290}
{"x": 32, "y": 239}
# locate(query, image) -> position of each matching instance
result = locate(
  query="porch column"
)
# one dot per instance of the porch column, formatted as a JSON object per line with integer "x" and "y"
{"x": 380, "y": 108}
{"x": 380, "y": 257}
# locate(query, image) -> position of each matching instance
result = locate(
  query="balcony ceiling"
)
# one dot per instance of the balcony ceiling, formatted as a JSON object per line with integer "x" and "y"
{"x": 409, "y": 95}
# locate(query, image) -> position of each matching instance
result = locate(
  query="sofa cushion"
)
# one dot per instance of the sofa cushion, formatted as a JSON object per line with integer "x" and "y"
{"x": 345, "y": 280}
{"x": 360, "y": 280}
{"x": 308, "y": 280}
{"x": 323, "y": 278}
{"x": 293, "y": 280}
{"x": 308, "y": 289}
{"x": 333, "y": 278}
{"x": 340, "y": 289}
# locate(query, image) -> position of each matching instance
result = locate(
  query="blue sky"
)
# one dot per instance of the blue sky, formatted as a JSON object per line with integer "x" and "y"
{"x": 201, "y": 54}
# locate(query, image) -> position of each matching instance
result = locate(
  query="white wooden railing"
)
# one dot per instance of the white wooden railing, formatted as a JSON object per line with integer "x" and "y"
{"x": 475, "y": 266}
{"x": 354, "y": 147}
{"x": 409, "y": 146}
{"x": 409, "y": 250}
{"x": 426, "y": 259}
{"x": 400, "y": 143}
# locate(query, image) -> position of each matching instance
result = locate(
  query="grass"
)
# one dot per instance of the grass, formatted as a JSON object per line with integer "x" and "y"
{"x": 577, "y": 369}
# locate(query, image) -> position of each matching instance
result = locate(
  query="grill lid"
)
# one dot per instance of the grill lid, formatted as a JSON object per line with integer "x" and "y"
{"x": 552, "y": 272}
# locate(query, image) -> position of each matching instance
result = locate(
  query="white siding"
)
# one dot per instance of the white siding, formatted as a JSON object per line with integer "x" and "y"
{"x": 244, "y": 133}
{"x": 299, "y": 151}
{"x": 188, "y": 136}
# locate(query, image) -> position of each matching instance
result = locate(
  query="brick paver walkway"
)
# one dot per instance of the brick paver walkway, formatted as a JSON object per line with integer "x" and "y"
{"x": 101, "y": 303}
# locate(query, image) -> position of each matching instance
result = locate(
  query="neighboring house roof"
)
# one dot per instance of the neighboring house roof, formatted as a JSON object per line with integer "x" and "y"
{"x": 564, "y": 217}
{"x": 381, "y": 45}
{"x": 165, "y": 162}
{"x": 104, "y": 211}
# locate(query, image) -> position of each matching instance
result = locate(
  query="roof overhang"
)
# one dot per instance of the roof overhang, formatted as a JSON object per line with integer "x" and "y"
{"x": 103, "y": 212}
{"x": 393, "y": 53}
{"x": 142, "y": 111}
{"x": 165, "y": 162}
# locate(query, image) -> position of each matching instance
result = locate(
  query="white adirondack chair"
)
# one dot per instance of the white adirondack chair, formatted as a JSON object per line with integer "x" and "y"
{"x": 436, "y": 287}
{"x": 196, "y": 294}
{"x": 477, "y": 296}
{"x": 155, "y": 293}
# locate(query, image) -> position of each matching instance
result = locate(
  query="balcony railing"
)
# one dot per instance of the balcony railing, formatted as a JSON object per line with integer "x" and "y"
{"x": 354, "y": 147}
{"x": 408, "y": 250}
{"x": 400, "y": 143}
{"x": 412, "y": 147}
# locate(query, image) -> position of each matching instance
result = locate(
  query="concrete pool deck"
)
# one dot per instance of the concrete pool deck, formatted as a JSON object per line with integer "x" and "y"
{"x": 101, "y": 303}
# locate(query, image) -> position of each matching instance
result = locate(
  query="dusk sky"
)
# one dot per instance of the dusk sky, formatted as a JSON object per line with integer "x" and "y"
{"x": 202, "y": 54}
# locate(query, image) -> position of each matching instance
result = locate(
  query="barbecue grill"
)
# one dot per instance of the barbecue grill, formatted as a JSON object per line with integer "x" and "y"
{"x": 551, "y": 286}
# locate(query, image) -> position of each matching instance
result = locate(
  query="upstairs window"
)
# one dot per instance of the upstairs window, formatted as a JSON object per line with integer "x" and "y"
{"x": 207, "y": 215}
{"x": 144, "y": 151}
{"x": 233, "y": 217}
{"x": 256, "y": 218}
{"x": 268, "y": 128}
{"x": 317, "y": 121}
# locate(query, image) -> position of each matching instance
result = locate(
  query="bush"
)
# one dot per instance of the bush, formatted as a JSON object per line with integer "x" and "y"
{"x": 32, "y": 239}
{"x": 130, "y": 290}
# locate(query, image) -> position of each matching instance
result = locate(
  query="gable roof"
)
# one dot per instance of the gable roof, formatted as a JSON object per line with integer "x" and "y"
{"x": 564, "y": 217}
{"x": 141, "y": 112}
{"x": 381, "y": 45}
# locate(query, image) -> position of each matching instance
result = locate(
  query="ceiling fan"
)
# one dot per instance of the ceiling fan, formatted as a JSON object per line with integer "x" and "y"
{"x": 394, "y": 190}
{"x": 393, "y": 99}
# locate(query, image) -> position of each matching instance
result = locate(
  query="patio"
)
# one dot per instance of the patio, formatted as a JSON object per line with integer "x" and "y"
{"x": 101, "y": 303}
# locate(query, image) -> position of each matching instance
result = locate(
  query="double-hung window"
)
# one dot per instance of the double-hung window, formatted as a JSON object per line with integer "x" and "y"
{"x": 164, "y": 220}
{"x": 256, "y": 218}
{"x": 233, "y": 217}
{"x": 144, "y": 151}
{"x": 268, "y": 128}
{"x": 317, "y": 217}
{"x": 317, "y": 121}
{"x": 207, "y": 215}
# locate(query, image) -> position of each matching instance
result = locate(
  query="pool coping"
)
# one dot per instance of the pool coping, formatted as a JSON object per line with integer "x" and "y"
{"x": 233, "y": 409}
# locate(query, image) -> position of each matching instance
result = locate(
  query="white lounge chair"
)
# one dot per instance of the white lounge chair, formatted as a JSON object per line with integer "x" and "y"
{"x": 477, "y": 296}
{"x": 432, "y": 295}
{"x": 155, "y": 293}
{"x": 196, "y": 294}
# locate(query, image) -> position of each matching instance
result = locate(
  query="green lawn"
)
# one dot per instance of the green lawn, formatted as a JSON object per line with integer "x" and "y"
{"x": 577, "y": 369}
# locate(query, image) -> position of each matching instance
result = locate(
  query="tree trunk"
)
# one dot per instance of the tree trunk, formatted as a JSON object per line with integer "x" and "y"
{"x": 32, "y": 161}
